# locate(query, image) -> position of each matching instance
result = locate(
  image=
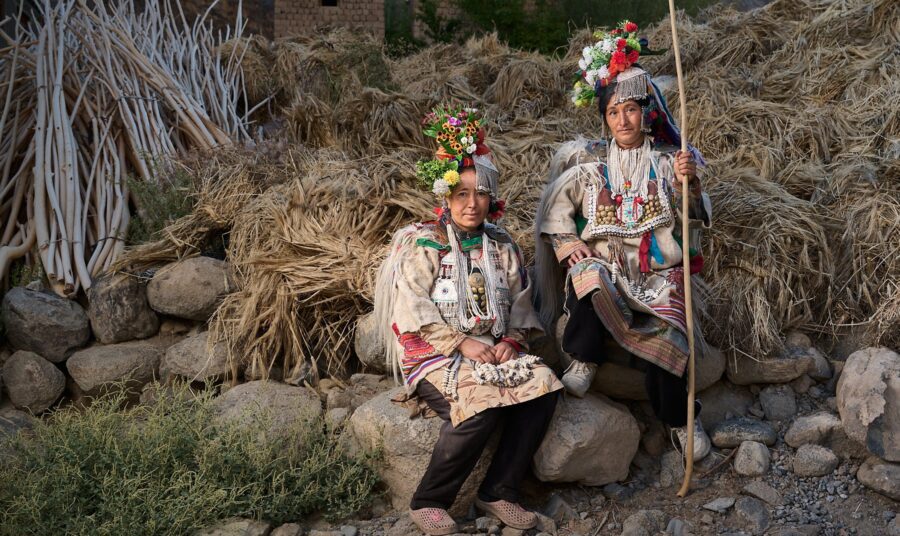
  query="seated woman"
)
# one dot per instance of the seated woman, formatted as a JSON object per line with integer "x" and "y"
{"x": 454, "y": 303}
{"x": 609, "y": 234}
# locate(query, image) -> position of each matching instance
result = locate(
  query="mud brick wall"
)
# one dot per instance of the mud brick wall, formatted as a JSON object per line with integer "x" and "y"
{"x": 294, "y": 17}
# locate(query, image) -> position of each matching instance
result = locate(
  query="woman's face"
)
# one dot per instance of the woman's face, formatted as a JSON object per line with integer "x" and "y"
{"x": 624, "y": 121}
{"x": 468, "y": 206}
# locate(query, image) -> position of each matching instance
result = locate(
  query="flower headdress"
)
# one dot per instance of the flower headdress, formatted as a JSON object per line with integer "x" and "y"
{"x": 460, "y": 138}
{"x": 613, "y": 59}
{"x": 614, "y": 52}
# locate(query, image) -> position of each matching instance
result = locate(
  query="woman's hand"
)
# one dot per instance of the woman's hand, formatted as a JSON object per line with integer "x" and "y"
{"x": 477, "y": 351}
{"x": 581, "y": 253}
{"x": 504, "y": 351}
{"x": 686, "y": 172}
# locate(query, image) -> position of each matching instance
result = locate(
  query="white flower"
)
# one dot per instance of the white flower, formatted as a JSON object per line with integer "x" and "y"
{"x": 603, "y": 72}
{"x": 590, "y": 77}
{"x": 440, "y": 188}
{"x": 583, "y": 64}
{"x": 466, "y": 140}
{"x": 471, "y": 148}
{"x": 574, "y": 98}
{"x": 608, "y": 46}
{"x": 586, "y": 51}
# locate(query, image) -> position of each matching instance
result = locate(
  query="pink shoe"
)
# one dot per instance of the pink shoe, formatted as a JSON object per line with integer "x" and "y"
{"x": 511, "y": 514}
{"x": 433, "y": 521}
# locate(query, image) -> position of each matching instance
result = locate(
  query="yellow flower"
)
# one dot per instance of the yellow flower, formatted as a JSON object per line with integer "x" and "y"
{"x": 447, "y": 126}
{"x": 452, "y": 177}
{"x": 441, "y": 137}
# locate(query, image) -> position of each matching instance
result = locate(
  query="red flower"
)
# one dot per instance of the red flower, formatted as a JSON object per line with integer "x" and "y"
{"x": 633, "y": 56}
{"x": 653, "y": 115}
{"x": 618, "y": 57}
{"x": 615, "y": 31}
{"x": 439, "y": 212}
{"x": 630, "y": 27}
{"x": 620, "y": 43}
{"x": 501, "y": 209}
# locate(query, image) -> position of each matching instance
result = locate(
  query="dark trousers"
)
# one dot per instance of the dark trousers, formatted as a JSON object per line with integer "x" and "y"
{"x": 458, "y": 449}
{"x": 585, "y": 339}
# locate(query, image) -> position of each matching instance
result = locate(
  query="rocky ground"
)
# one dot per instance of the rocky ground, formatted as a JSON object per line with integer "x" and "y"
{"x": 804, "y": 443}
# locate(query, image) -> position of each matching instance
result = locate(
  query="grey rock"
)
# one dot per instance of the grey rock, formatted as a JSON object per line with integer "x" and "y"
{"x": 893, "y": 528}
{"x": 778, "y": 402}
{"x": 509, "y": 531}
{"x": 868, "y": 398}
{"x": 819, "y": 368}
{"x": 13, "y": 421}
{"x": 559, "y": 510}
{"x": 763, "y": 491}
{"x": 720, "y": 505}
{"x": 484, "y": 524}
{"x": 814, "y": 460}
{"x": 337, "y": 416}
{"x": 196, "y": 360}
{"x": 370, "y": 381}
{"x": 733, "y": 432}
{"x": 644, "y": 523}
{"x": 752, "y": 514}
{"x": 277, "y": 407}
{"x": 406, "y": 446}
{"x": 774, "y": 370}
{"x": 338, "y": 398}
{"x": 813, "y": 429}
{"x": 591, "y": 441}
{"x": 45, "y": 324}
{"x": 617, "y": 492}
{"x": 190, "y": 289}
{"x": 99, "y": 366}
{"x": 119, "y": 310}
{"x": 722, "y": 398}
{"x": 288, "y": 529}
{"x": 238, "y": 527}
{"x": 369, "y": 344}
{"x": 677, "y": 527}
{"x": 349, "y": 530}
{"x": 671, "y": 469}
{"x": 802, "y": 384}
{"x": 752, "y": 459}
{"x": 881, "y": 476}
{"x": 32, "y": 382}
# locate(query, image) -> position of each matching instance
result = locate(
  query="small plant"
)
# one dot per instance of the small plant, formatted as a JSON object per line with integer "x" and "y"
{"x": 438, "y": 28}
{"x": 159, "y": 204}
{"x": 170, "y": 468}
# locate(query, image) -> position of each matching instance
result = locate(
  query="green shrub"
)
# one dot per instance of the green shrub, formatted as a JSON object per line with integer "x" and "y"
{"x": 159, "y": 204}
{"x": 164, "y": 469}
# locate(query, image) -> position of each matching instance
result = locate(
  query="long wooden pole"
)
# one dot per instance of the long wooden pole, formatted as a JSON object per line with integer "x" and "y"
{"x": 686, "y": 265}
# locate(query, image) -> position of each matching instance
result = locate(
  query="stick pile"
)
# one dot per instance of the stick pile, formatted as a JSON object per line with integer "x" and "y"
{"x": 93, "y": 96}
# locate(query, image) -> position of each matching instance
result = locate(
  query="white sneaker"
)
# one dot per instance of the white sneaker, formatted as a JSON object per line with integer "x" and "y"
{"x": 578, "y": 377}
{"x": 701, "y": 440}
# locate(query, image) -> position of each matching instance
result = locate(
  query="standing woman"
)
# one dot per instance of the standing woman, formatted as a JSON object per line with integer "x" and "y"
{"x": 609, "y": 234}
{"x": 454, "y": 303}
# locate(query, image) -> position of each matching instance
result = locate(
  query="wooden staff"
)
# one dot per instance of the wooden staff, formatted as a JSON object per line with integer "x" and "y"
{"x": 686, "y": 264}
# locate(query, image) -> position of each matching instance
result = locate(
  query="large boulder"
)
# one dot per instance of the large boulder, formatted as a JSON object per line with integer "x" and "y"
{"x": 33, "y": 383}
{"x": 868, "y": 399}
{"x": 45, "y": 324}
{"x": 772, "y": 370}
{"x": 119, "y": 310}
{"x": 196, "y": 359}
{"x": 368, "y": 343}
{"x": 131, "y": 364}
{"x": 191, "y": 288}
{"x": 814, "y": 460}
{"x": 591, "y": 441}
{"x": 406, "y": 445}
{"x": 281, "y": 408}
{"x": 813, "y": 429}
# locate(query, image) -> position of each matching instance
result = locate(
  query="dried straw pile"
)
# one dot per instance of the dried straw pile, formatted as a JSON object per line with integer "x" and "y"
{"x": 789, "y": 104}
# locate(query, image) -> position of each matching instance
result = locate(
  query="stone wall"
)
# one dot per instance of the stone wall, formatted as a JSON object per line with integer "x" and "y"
{"x": 293, "y": 17}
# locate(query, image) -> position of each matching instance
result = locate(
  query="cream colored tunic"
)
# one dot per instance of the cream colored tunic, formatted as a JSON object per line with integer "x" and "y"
{"x": 430, "y": 341}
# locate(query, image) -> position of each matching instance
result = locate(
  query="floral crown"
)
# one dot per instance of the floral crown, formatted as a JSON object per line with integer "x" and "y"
{"x": 460, "y": 139}
{"x": 613, "y": 53}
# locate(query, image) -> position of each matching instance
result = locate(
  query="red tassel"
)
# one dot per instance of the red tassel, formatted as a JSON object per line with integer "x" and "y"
{"x": 696, "y": 264}
{"x": 645, "y": 253}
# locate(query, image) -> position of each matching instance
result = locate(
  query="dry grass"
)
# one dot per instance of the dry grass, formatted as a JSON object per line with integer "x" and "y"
{"x": 791, "y": 104}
